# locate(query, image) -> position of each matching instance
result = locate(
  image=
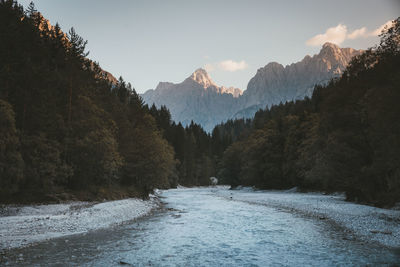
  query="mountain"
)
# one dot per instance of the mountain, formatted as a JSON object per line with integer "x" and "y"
{"x": 275, "y": 83}
{"x": 197, "y": 98}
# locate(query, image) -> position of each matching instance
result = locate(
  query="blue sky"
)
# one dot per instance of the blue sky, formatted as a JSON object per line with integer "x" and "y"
{"x": 151, "y": 41}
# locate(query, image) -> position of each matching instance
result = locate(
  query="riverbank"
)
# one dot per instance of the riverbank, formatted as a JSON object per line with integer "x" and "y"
{"x": 204, "y": 226}
{"x": 361, "y": 222}
{"x": 24, "y": 225}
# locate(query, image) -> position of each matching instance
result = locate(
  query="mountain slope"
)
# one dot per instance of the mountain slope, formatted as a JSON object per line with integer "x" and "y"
{"x": 197, "y": 98}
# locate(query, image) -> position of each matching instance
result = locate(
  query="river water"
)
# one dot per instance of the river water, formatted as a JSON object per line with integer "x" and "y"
{"x": 198, "y": 227}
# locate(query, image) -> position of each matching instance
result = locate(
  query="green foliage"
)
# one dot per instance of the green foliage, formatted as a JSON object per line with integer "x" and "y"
{"x": 193, "y": 149}
{"x": 44, "y": 167}
{"x": 150, "y": 161}
{"x": 11, "y": 164}
{"x": 230, "y": 166}
{"x": 95, "y": 159}
{"x": 77, "y": 44}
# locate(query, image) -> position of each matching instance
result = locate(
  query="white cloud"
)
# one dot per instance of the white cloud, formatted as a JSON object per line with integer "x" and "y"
{"x": 226, "y": 65}
{"x": 334, "y": 35}
{"x": 230, "y": 65}
{"x": 339, "y": 34}
{"x": 362, "y": 32}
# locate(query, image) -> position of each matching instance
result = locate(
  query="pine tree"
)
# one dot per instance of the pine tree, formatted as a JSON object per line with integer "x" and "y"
{"x": 78, "y": 44}
{"x": 31, "y": 10}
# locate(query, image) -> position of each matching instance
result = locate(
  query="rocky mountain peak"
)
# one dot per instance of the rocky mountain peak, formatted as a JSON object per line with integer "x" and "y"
{"x": 196, "y": 99}
{"x": 334, "y": 55}
{"x": 329, "y": 45}
{"x": 201, "y": 77}
{"x": 272, "y": 67}
{"x": 330, "y": 52}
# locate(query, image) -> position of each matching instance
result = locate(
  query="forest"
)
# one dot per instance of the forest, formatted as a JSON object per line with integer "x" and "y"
{"x": 68, "y": 131}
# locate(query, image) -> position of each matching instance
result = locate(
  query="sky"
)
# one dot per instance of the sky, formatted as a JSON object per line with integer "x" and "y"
{"x": 150, "y": 41}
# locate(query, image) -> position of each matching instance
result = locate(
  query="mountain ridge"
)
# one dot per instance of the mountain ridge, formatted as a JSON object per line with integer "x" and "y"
{"x": 275, "y": 83}
{"x": 196, "y": 98}
{"x": 209, "y": 104}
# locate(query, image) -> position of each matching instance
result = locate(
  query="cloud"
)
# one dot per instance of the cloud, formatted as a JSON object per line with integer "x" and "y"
{"x": 340, "y": 33}
{"x": 362, "y": 32}
{"x": 226, "y": 65}
{"x": 334, "y": 35}
{"x": 381, "y": 28}
{"x": 230, "y": 65}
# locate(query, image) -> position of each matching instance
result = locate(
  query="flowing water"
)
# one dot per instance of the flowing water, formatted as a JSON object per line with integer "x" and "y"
{"x": 197, "y": 227}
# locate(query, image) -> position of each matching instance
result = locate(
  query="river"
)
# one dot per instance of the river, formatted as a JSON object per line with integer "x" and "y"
{"x": 201, "y": 227}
